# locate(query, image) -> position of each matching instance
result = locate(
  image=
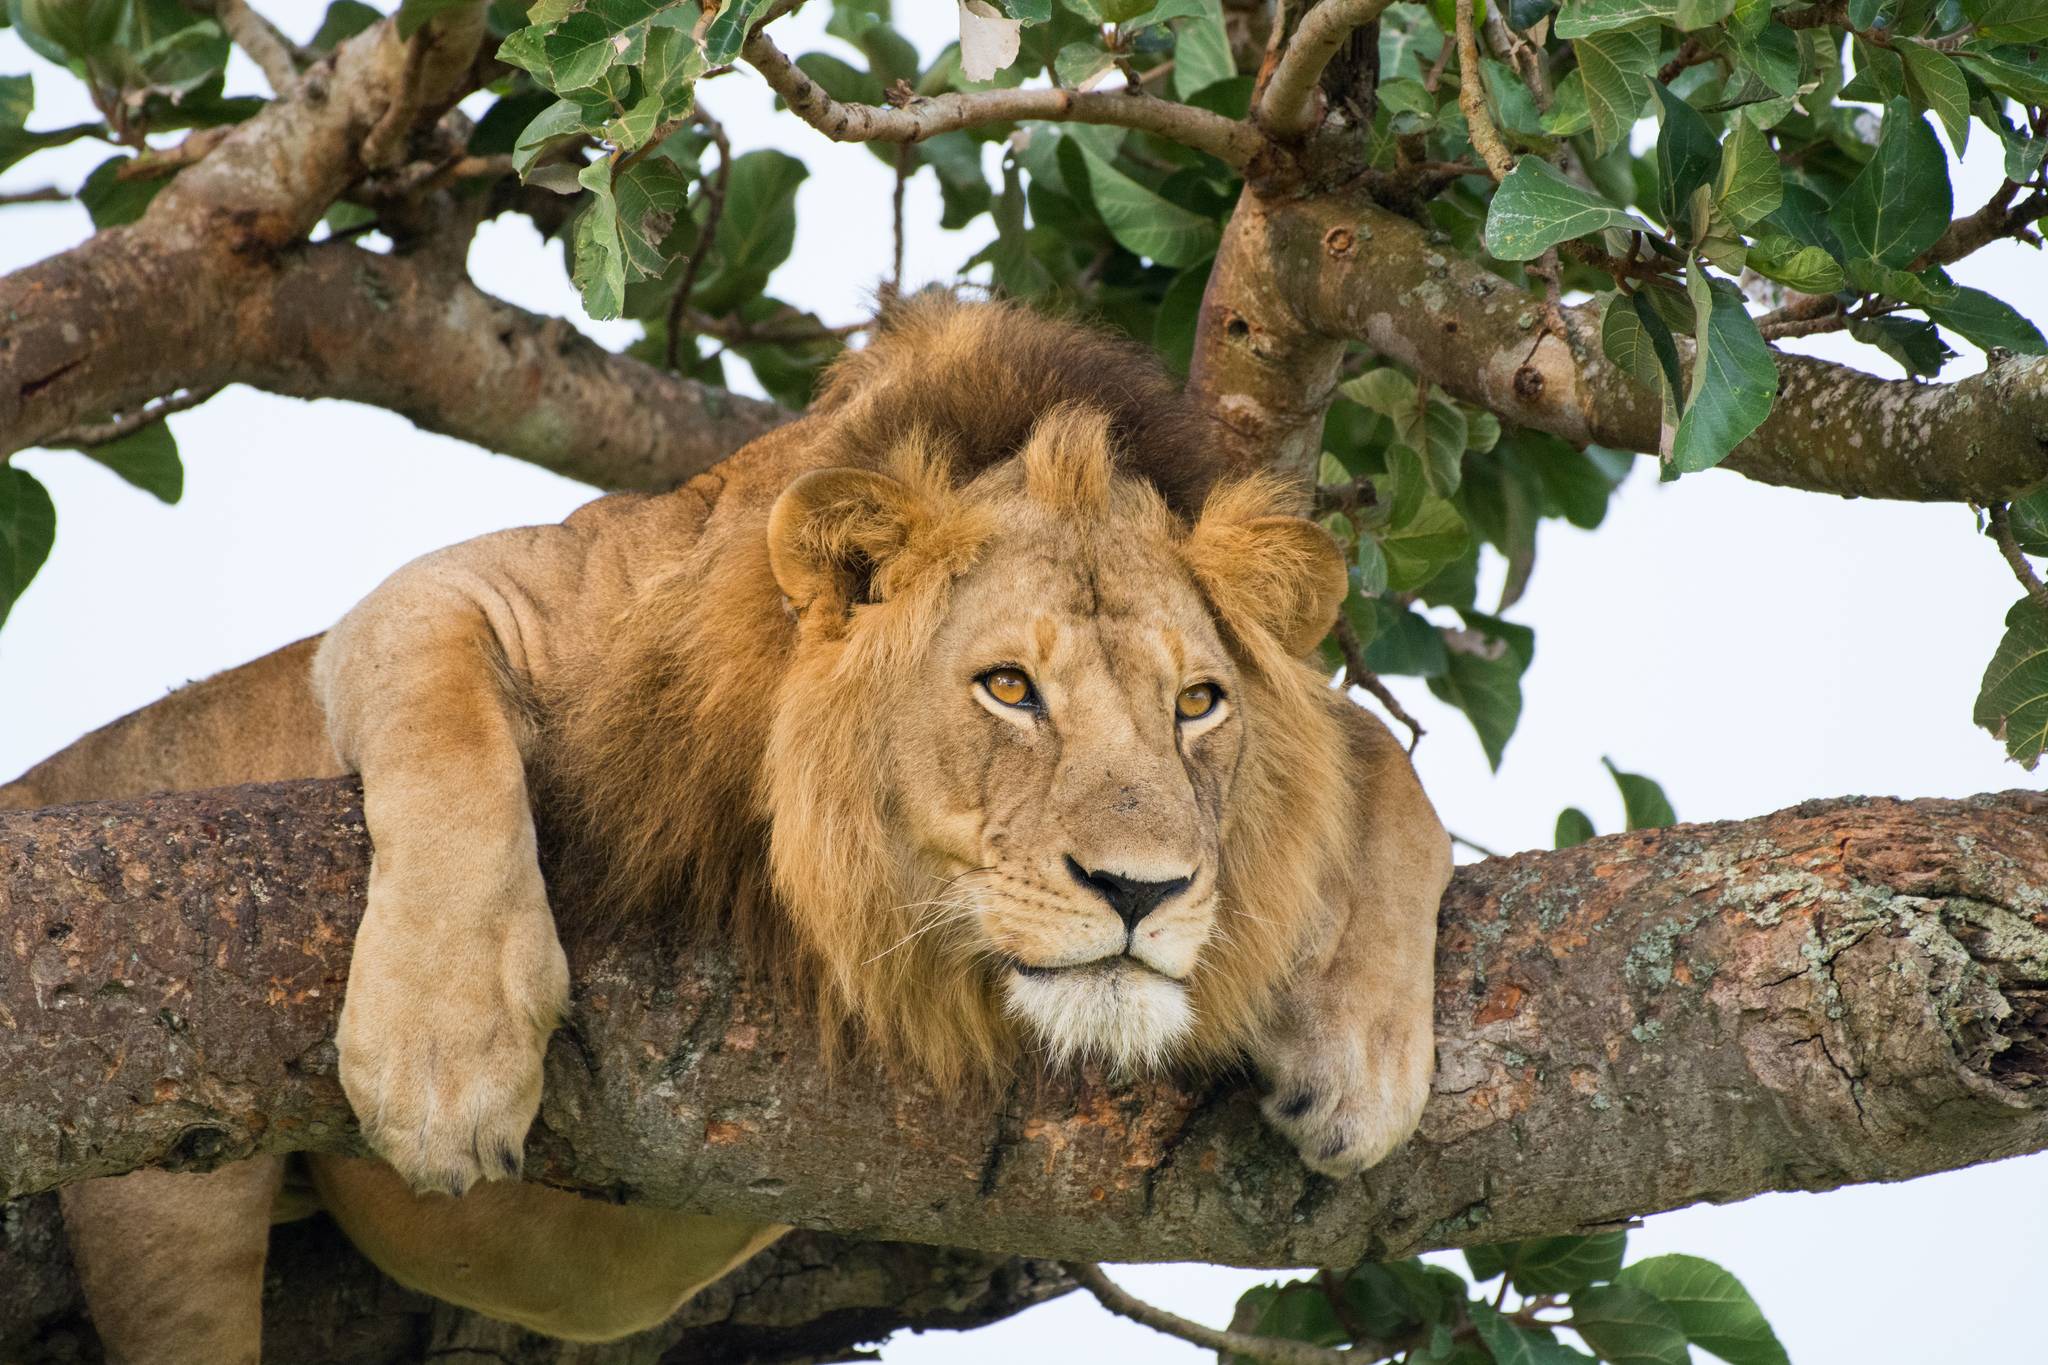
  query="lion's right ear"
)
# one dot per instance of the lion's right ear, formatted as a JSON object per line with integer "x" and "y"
{"x": 830, "y": 533}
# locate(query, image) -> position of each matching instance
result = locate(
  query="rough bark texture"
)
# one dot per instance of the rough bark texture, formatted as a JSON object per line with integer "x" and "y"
{"x": 1846, "y": 991}
{"x": 1299, "y": 276}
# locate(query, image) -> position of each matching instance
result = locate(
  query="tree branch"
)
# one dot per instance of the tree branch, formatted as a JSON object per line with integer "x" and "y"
{"x": 1229, "y": 141}
{"x": 272, "y": 52}
{"x": 1287, "y": 108}
{"x": 1845, "y": 991}
{"x": 1307, "y": 274}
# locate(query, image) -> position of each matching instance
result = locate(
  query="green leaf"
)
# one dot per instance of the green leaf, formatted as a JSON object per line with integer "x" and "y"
{"x": 1716, "y": 1312}
{"x": 1988, "y": 322}
{"x": 757, "y": 230}
{"x": 1201, "y": 52}
{"x": 600, "y": 258}
{"x": 344, "y": 20}
{"x": 1580, "y": 18}
{"x": 1574, "y": 827}
{"x": 2015, "y": 21}
{"x": 1483, "y": 678}
{"x": 1535, "y": 208}
{"x": 17, "y": 100}
{"x": 1298, "y": 1311}
{"x": 650, "y": 193}
{"x": 1143, "y": 223}
{"x": 1616, "y": 67}
{"x": 2012, "y": 702}
{"x": 1627, "y": 344}
{"x": 1808, "y": 269}
{"x": 147, "y": 458}
{"x": 2030, "y": 521}
{"x": 1916, "y": 345}
{"x": 1688, "y": 156}
{"x": 563, "y": 118}
{"x": 113, "y": 201}
{"x": 1900, "y": 203}
{"x": 1404, "y": 643}
{"x": 1643, "y": 802}
{"x": 1431, "y": 538}
{"x": 1750, "y": 186}
{"x": 1934, "y": 82}
{"x": 1628, "y": 1326}
{"x": 1078, "y": 63}
{"x": 1510, "y": 1344}
{"x": 1551, "y": 1265}
{"x": 1735, "y": 381}
{"x": 414, "y": 15}
{"x": 28, "y": 527}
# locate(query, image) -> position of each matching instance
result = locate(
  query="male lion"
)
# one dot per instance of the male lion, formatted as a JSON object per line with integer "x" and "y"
{"x": 971, "y": 692}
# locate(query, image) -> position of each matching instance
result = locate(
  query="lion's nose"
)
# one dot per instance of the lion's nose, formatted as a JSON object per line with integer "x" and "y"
{"x": 1132, "y": 898}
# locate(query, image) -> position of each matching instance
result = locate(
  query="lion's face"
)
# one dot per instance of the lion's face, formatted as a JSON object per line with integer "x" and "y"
{"x": 1066, "y": 775}
{"x": 1009, "y": 763}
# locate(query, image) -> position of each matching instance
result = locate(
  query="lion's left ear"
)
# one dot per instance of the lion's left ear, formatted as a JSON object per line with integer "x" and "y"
{"x": 1282, "y": 574}
{"x": 832, "y": 530}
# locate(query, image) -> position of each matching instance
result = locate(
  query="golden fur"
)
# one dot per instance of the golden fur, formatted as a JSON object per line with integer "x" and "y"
{"x": 755, "y": 703}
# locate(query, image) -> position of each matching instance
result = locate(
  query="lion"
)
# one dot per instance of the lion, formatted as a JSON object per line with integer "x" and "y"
{"x": 975, "y": 705}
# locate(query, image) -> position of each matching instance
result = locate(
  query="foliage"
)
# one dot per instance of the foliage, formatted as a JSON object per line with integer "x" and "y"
{"x": 1712, "y": 173}
{"x": 1652, "y": 1312}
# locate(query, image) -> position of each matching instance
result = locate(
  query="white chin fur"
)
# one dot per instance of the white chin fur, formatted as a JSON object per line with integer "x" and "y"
{"x": 1123, "y": 1015}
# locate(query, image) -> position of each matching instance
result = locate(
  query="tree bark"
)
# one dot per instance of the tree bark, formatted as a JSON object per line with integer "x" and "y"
{"x": 1846, "y": 991}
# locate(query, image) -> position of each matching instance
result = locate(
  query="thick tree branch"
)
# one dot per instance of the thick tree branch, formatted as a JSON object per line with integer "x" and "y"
{"x": 1309, "y": 274}
{"x": 1845, "y": 991}
{"x": 1287, "y": 107}
{"x": 1226, "y": 139}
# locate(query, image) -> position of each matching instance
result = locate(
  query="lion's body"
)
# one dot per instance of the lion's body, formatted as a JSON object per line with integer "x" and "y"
{"x": 765, "y": 696}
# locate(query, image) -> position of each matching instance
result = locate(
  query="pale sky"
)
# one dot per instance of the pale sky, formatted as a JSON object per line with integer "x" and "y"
{"x": 1749, "y": 647}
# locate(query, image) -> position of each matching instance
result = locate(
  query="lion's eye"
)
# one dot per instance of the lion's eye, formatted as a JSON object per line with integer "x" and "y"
{"x": 1197, "y": 701}
{"x": 1009, "y": 686}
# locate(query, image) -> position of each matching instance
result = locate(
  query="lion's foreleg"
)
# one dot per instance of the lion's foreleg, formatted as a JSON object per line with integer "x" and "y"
{"x": 1351, "y": 1057}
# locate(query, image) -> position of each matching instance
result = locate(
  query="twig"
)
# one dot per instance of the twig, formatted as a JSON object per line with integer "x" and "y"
{"x": 153, "y": 165}
{"x": 1483, "y": 851}
{"x": 1226, "y": 139}
{"x": 1472, "y": 99}
{"x": 48, "y": 194}
{"x": 903, "y": 160}
{"x": 1356, "y": 674}
{"x": 679, "y": 302}
{"x": 1287, "y": 108}
{"x": 741, "y": 332}
{"x": 384, "y": 144}
{"x": 1270, "y": 1350}
{"x": 1999, "y": 217}
{"x": 2009, "y": 546}
{"x": 99, "y": 433}
{"x": 269, "y": 49}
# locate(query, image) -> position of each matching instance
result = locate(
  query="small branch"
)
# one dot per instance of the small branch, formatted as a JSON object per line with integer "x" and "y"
{"x": 1483, "y": 851}
{"x": 1358, "y": 675}
{"x": 384, "y": 145}
{"x": 1472, "y": 99}
{"x": 99, "y": 433}
{"x": 272, "y": 52}
{"x": 1287, "y": 109}
{"x": 2009, "y": 546}
{"x": 1227, "y": 140}
{"x": 155, "y": 165}
{"x": 903, "y": 164}
{"x": 48, "y": 194}
{"x": 1999, "y": 217}
{"x": 738, "y": 332}
{"x": 1269, "y": 1350}
{"x": 679, "y": 303}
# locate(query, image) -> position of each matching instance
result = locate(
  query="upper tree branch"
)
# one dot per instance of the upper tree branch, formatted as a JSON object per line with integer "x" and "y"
{"x": 1287, "y": 107}
{"x": 1226, "y": 139}
{"x": 1845, "y": 991}
{"x": 1305, "y": 275}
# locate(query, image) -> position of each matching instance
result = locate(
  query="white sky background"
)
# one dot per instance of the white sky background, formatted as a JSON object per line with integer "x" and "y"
{"x": 1748, "y": 647}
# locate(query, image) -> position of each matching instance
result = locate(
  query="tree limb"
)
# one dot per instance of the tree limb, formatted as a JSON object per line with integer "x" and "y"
{"x": 1311, "y": 273}
{"x": 1229, "y": 141}
{"x": 1287, "y": 108}
{"x": 1845, "y": 991}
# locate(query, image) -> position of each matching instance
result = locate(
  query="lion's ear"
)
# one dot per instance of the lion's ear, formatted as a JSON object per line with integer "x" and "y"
{"x": 1282, "y": 574}
{"x": 831, "y": 531}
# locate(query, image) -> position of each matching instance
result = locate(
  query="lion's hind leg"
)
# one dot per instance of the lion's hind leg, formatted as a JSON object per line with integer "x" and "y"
{"x": 173, "y": 1264}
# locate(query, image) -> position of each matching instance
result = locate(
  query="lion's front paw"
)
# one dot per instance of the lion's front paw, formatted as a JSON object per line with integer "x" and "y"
{"x": 1343, "y": 1109}
{"x": 441, "y": 1050}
